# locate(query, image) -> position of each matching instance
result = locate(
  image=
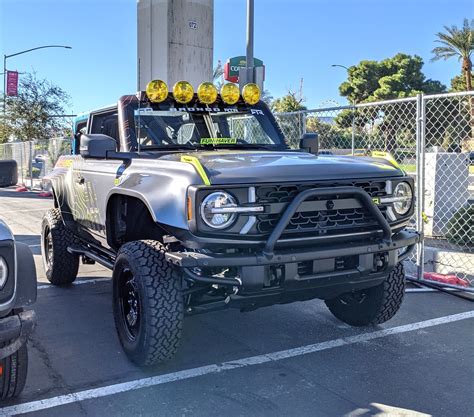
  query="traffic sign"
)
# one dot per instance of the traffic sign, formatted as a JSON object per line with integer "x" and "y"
{"x": 232, "y": 66}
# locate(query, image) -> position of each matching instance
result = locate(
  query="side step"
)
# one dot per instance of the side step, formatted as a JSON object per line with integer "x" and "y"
{"x": 94, "y": 254}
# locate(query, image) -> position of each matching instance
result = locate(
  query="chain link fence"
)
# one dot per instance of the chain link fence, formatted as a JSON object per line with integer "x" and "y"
{"x": 430, "y": 137}
{"x": 447, "y": 174}
{"x": 35, "y": 158}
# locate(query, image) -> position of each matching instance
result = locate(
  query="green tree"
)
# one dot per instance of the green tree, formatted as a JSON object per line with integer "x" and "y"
{"x": 292, "y": 125}
{"x": 459, "y": 43}
{"x": 458, "y": 83}
{"x": 292, "y": 101}
{"x": 397, "y": 77}
{"x": 33, "y": 114}
{"x": 217, "y": 75}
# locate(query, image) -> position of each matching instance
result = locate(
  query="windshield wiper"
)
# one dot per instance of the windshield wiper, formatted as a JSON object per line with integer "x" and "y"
{"x": 168, "y": 147}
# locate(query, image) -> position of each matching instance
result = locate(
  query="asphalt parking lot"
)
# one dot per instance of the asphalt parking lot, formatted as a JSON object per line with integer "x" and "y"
{"x": 293, "y": 360}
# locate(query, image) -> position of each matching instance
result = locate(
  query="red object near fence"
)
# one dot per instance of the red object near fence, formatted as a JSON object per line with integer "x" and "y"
{"x": 445, "y": 279}
{"x": 21, "y": 188}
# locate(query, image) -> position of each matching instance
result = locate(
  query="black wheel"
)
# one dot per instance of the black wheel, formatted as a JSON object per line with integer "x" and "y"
{"x": 147, "y": 302}
{"x": 13, "y": 373}
{"x": 373, "y": 305}
{"x": 60, "y": 266}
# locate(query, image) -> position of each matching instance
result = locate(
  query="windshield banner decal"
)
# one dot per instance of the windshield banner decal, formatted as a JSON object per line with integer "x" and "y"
{"x": 218, "y": 141}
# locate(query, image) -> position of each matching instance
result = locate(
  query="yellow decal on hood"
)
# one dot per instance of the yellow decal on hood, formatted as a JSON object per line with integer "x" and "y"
{"x": 387, "y": 156}
{"x": 197, "y": 166}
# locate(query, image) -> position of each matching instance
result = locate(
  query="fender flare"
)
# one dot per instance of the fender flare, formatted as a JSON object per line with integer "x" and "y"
{"x": 130, "y": 193}
{"x": 26, "y": 290}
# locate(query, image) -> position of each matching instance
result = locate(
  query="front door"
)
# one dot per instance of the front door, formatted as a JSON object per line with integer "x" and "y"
{"x": 94, "y": 178}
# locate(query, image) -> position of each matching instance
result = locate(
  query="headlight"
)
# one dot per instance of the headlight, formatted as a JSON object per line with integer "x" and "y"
{"x": 3, "y": 272}
{"x": 218, "y": 200}
{"x": 402, "y": 198}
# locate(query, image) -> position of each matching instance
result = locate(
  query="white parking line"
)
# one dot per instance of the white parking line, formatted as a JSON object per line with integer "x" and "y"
{"x": 225, "y": 366}
{"x": 414, "y": 290}
{"x": 80, "y": 282}
{"x": 24, "y": 210}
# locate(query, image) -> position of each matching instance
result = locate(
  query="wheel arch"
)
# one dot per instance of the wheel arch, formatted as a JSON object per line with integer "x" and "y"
{"x": 129, "y": 217}
{"x": 61, "y": 203}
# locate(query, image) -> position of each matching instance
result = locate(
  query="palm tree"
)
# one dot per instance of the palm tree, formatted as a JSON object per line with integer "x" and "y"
{"x": 457, "y": 43}
{"x": 217, "y": 73}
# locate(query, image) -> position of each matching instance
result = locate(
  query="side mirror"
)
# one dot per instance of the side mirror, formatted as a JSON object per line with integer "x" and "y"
{"x": 96, "y": 146}
{"x": 310, "y": 143}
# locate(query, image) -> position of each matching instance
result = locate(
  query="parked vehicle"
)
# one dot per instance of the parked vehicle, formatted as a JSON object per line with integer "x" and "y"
{"x": 8, "y": 173}
{"x": 17, "y": 291}
{"x": 196, "y": 203}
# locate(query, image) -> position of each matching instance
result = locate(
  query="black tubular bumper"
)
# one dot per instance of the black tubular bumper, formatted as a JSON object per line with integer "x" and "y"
{"x": 194, "y": 259}
{"x": 15, "y": 330}
{"x": 344, "y": 265}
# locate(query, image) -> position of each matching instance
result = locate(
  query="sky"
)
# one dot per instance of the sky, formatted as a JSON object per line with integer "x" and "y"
{"x": 296, "y": 39}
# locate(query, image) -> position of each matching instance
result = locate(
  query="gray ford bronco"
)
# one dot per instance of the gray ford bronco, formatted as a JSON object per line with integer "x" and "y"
{"x": 198, "y": 206}
{"x": 17, "y": 290}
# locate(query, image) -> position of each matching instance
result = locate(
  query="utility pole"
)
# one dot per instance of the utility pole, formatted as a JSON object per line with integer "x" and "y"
{"x": 247, "y": 73}
{"x": 353, "y": 109}
{"x": 5, "y": 57}
{"x": 249, "y": 57}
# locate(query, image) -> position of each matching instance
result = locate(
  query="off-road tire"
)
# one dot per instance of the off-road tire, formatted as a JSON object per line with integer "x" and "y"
{"x": 373, "y": 305}
{"x": 61, "y": 268}
{"x": 157, "y": 286}
{"x": 13, "y": 376}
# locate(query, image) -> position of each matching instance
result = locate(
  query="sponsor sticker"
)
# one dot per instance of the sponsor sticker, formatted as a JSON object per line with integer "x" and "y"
{"x": 218, "y": 141}
{"x": 376, "y": 200}
{"x": 63, "y": 163}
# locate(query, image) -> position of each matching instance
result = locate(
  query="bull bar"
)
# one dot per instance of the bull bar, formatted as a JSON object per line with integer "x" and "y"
{"x": 269, "y": 256}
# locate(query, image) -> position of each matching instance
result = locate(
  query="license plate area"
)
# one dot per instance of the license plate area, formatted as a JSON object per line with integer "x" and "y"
{"x": 323, "y": 266}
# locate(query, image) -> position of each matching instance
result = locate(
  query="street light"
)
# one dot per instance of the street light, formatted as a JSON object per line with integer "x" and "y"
{"x": 342, "y": 66}
{"x": 5, "y": 57}
{"x": 353, "y": 106}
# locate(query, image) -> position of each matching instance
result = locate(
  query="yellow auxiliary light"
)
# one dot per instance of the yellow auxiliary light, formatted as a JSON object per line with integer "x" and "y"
{"x": 251, "y": 93}
{"x": 157, "y": 91}
{"x": 183, "y": 92}
{"x": 207, "y": 93}
{"x": 230, "y": 93}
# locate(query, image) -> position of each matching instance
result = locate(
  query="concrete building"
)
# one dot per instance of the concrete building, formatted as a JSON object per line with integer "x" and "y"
{"x": 175, "y": 41}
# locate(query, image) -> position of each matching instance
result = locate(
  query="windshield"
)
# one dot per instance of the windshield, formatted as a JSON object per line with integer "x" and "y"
{"x": 205, "y": 127}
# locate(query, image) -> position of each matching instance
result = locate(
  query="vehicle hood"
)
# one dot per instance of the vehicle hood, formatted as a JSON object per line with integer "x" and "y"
{"x": 230, "y": 167}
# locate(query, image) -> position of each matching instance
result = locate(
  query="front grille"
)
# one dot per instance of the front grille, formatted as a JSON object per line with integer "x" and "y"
{"x": 318, "y": 223}
{"x": 285, "y": 193}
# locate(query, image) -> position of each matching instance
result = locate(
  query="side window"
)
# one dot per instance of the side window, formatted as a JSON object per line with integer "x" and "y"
{"x": 107, "y": 124}
{"x": 81, "y": 127}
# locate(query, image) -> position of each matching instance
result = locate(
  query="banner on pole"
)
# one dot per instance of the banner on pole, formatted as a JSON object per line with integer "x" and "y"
{"x": 12, "y": 83}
